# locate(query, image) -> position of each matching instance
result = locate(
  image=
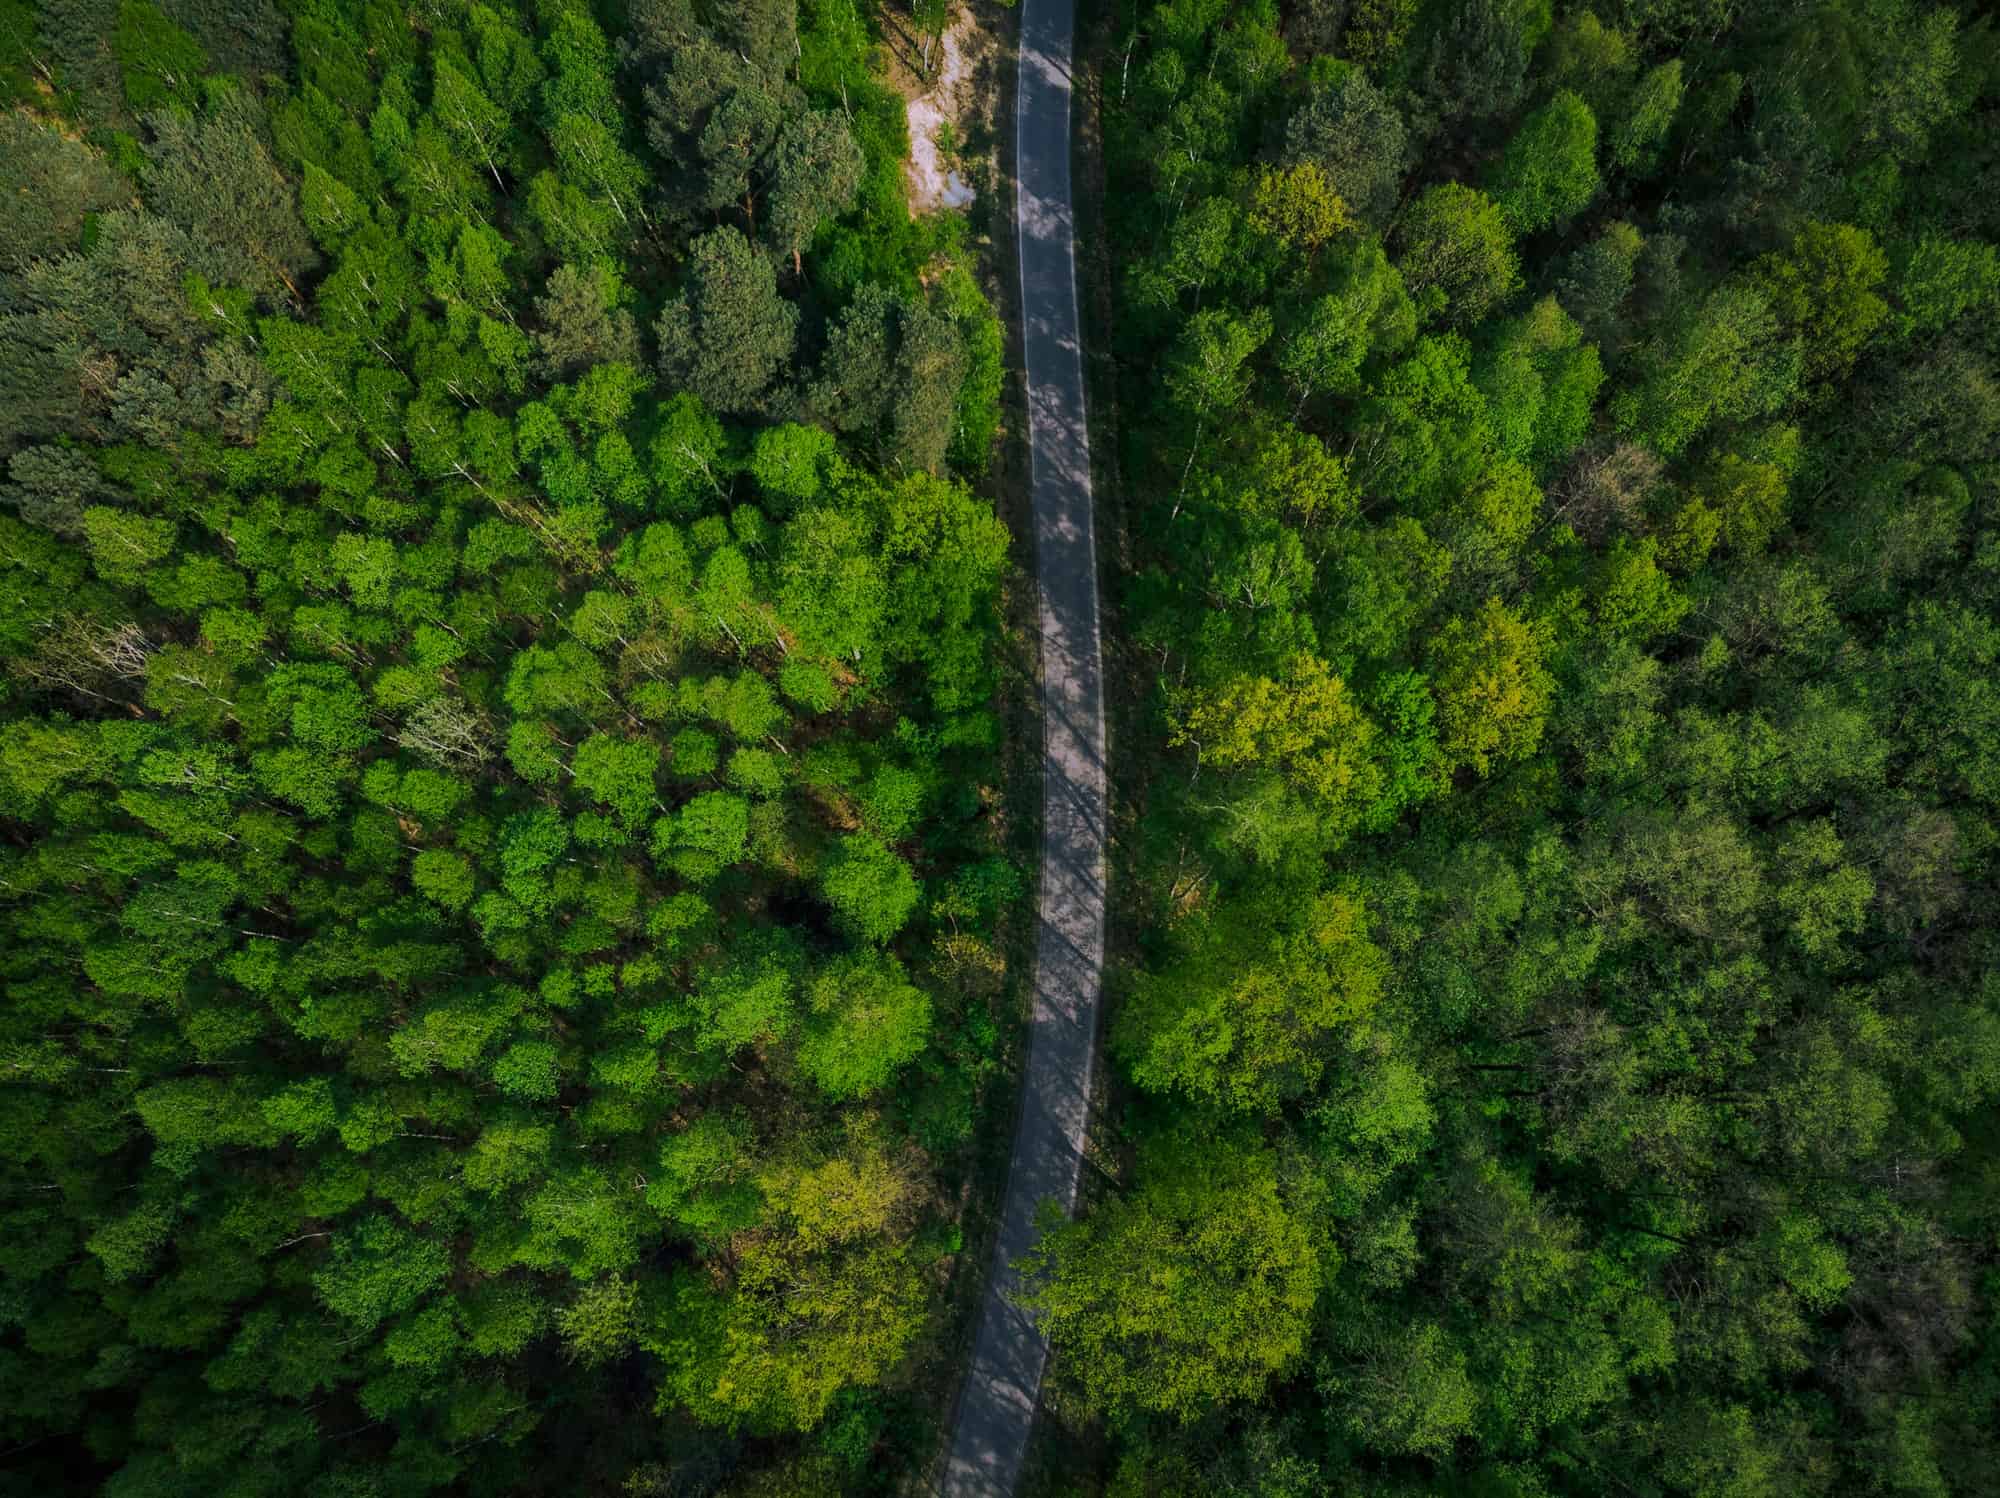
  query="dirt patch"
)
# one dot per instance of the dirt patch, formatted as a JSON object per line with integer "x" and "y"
{"x": 940, "y": 112}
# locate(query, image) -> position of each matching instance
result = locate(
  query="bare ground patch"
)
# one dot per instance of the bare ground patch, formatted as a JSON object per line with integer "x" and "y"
{"x": 951, "y": 105}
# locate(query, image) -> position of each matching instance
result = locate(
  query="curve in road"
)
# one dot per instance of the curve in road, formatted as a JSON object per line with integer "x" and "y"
{"x": 1004, "y": 1381}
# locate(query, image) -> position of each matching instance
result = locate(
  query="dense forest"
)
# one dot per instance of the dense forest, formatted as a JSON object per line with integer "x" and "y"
{"x": 504, "y": 871}
{"x": 500, "y": 846}
{"x": 1560, "y": 451}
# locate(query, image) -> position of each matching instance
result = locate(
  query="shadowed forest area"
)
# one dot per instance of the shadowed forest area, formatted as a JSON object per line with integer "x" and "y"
{"x": 500, "y": 848}
{"x": 1559, "y": 455}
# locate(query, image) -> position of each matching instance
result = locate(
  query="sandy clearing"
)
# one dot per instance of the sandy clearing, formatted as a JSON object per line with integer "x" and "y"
{"x": 932, "y": 184}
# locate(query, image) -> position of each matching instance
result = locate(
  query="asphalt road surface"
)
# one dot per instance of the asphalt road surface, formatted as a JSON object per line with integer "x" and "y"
{"x": 997, "y": 1407}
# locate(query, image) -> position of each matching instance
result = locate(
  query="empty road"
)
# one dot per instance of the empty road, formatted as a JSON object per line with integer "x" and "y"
{"x": 997, "y": 1407}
